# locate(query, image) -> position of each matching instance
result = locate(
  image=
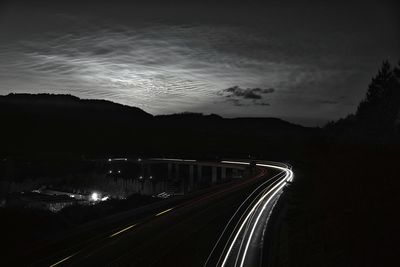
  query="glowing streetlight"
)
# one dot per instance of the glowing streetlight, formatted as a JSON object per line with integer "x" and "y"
{"x": 95, "y": 196}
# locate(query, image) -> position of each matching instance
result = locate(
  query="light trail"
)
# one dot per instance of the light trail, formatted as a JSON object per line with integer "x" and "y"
{"x": 256, "y": 222}
{"x": 248, "y": 221}
{"x": 123, "y": 230}
{"x": 180, "y": 160}
{"x": 268, "y": 196}
{"x": 236, "y": 212}
{"x": 244, "y": 223}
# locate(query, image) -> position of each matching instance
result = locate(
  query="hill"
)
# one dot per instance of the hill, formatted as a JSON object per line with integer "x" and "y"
{"x": 65, "y": 124}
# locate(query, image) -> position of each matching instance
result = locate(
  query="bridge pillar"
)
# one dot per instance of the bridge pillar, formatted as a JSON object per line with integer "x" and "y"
{"x": 214, "y": 175}
{"x": 169, "y": 171}
{"x": 223, "y": 173}
{"x": 181, "y": 187}
{"x": 191, "y": 177}
{"x": 176, "y": 171}
{"x": 199, "y": 174}
{"x": 148, "y": 170}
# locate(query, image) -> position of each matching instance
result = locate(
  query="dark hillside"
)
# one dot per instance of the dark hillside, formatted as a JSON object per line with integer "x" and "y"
{"x": 66, "y": 124}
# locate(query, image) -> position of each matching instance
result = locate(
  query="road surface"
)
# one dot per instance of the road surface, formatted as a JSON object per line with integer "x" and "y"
{"x": 221, "y": 226}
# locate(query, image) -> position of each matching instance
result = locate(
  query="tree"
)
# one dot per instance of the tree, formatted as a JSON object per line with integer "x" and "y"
{"x": 379, "y": 111}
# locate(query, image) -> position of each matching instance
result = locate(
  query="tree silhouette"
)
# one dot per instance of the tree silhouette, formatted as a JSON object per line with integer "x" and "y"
{"x": 379, "y": 111}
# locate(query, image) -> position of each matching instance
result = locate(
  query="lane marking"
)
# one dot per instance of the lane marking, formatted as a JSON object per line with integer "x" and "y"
{"x": 165, "y": 211}
{"x": 61, "y": 261}
{"x": 123, "y": 230}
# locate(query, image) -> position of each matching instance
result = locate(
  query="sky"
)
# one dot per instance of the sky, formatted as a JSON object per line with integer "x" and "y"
{"x": 304, "y": 61}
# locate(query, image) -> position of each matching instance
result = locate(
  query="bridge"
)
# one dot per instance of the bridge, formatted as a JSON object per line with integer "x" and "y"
{"x": 173, "y": 176}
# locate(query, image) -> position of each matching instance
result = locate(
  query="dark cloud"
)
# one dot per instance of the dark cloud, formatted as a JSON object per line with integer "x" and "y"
{"x": 235, "y": 102}
{"x": 246, "y": 96}
{"x": 248, "y": 93}
{"x": 264, "y": 91}
{"x": 239, "y": 103}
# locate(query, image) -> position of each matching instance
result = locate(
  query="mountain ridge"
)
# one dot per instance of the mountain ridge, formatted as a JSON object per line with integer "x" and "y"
{"x": 67, "y": 124}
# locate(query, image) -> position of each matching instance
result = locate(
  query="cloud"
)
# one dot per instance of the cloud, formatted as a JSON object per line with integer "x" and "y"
{"x": 238, "y": 103}
{"x": 235, "y": 102}
{"x": 102, "y": 51}
{"x": 167, "y": 68}
{"x": 246, "y": 96}
{"x": 248, "y": 93}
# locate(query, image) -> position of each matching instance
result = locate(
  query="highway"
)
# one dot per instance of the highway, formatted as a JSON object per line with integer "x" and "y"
{"x": 222, "y": 225}
{"x": 242, "y": 246}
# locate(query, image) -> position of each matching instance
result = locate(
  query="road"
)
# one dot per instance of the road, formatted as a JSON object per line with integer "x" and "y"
{"x": 221, "y": 226}
{"x": 241, "y": 242}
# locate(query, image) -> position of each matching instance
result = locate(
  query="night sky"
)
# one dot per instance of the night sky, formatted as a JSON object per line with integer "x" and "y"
{"x": 303, "y": 61}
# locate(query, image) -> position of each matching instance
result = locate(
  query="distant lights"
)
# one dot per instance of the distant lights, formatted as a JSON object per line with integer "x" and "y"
{"x": 110, "y": 171}
{"x": 151, "y": 177}
{"x": 118, "y": 159}
{"x": 140, "y": 177}
{"x": 95, "y": 196}
{"x": 119, "y": 171}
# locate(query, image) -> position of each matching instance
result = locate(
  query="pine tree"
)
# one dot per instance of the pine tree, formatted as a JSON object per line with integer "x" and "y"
{"x": 378, "y": 112}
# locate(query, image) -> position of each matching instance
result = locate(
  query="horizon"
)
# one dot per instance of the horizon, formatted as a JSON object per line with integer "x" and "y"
{"x": 297, "y": 121}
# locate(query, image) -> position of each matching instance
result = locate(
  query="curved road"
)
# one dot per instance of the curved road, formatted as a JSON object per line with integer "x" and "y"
{"x": 220, "y": 226}
{"x": 242, "y": 245}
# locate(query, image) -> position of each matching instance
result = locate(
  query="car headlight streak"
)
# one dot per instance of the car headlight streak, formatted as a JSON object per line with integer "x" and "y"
{"x": 266, "y": 198}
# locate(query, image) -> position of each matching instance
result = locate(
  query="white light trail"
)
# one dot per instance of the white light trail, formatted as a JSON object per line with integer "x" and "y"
{"x": 181, "y": 160}
{"x": 237, "y": 210}
{"x": 256, "y": 222}
{"x": 288, "y": 177}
